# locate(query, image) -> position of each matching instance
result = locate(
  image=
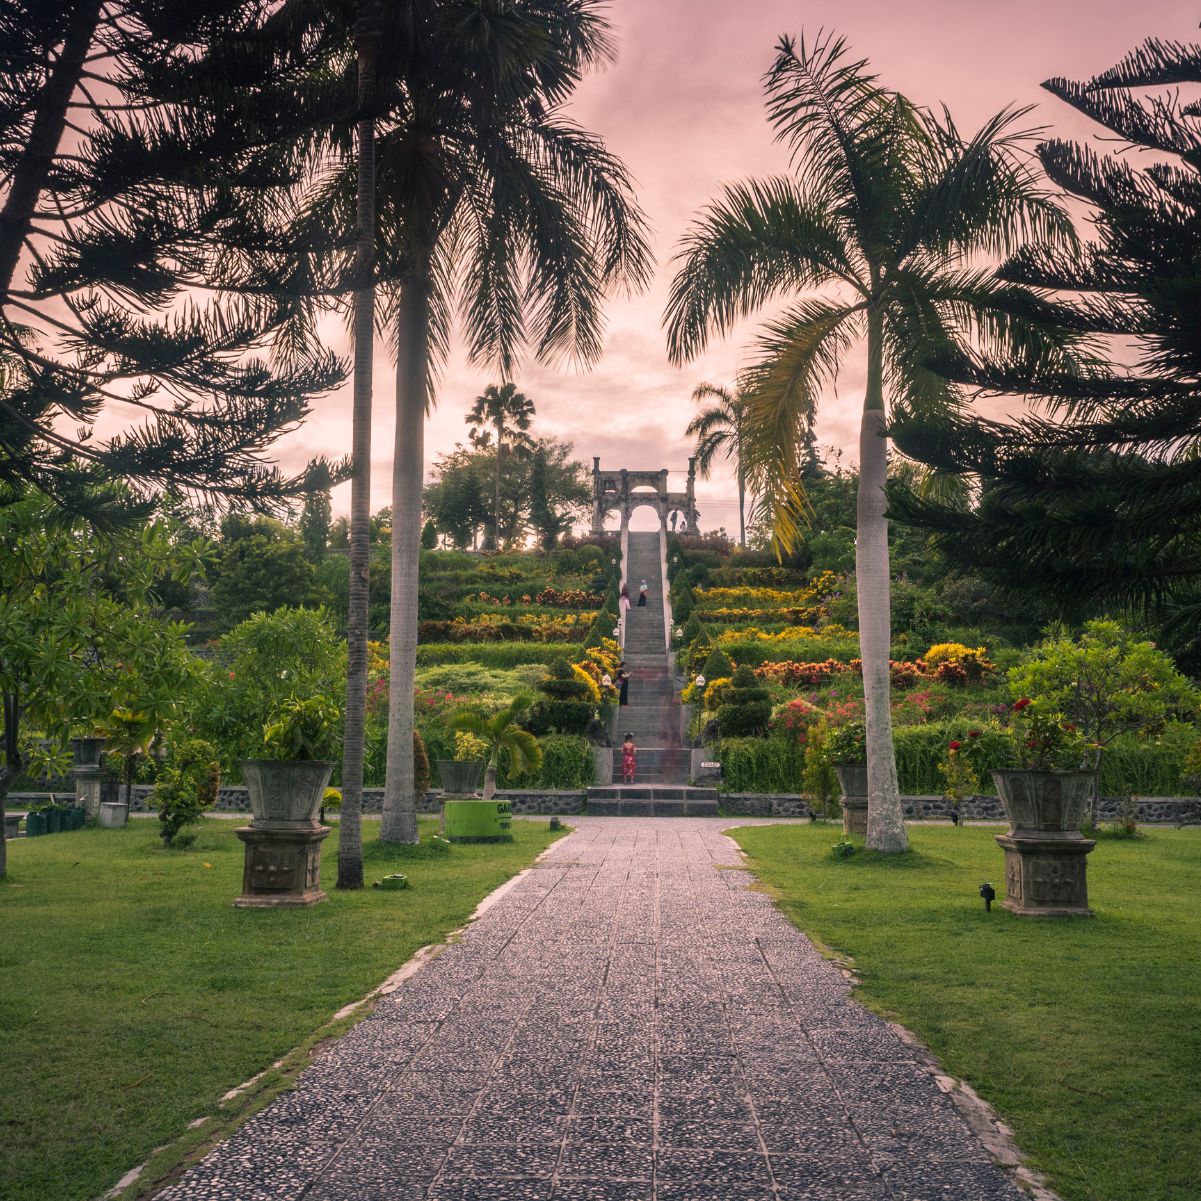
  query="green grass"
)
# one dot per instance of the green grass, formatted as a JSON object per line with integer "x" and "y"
{"x": 135, "y": 995}
{"x": 1084, "y": 1034}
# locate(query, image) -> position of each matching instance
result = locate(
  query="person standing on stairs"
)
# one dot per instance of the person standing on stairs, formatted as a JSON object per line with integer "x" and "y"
{"x": 623, "y": 684}
{"x": 642, "y": 595}
{"x": 629, "y": 760}
{"x": 623, "y": 605}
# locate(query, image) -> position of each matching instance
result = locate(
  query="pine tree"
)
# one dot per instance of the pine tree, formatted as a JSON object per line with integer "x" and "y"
{"x": 1095, "y": 500}
{"x": 147, "y": 263}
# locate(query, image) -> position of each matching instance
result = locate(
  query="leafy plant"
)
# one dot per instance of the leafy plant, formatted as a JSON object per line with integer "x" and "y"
{"x": 847, "y": 743}
{"x": 303, "y": 729}
{"x": 502, "y": 734}
{"x": 1043, "y": 738}
{"x": 188, "y": 785}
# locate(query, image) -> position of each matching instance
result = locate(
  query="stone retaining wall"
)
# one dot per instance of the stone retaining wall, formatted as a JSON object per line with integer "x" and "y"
{"x": 1151, "y": 809}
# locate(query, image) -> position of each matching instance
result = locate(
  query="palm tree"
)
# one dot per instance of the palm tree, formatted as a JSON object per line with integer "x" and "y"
{"x": 718, "y": 429}
{"x": 885, "y": 207}
{"x": 498, "y": 407}
{"x": 502, "y": 732}
{"x": 350, "y": 839}
{"x": 492, "y": 205}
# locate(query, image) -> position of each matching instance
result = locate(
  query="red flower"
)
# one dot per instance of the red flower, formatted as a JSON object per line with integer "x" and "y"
{"x": 231, "y": 675}
{"x": 953, "y": 744}
{"x": 973, "y": 733}
{"x": 1021, "y": 704}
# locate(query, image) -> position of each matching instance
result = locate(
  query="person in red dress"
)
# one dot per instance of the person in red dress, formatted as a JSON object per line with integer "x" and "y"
{"x": 629, "y": 760}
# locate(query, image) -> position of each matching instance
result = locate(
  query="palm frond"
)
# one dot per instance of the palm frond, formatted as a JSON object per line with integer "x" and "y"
{"x": 798, "y": 355}
{"x": 760, "y": 240}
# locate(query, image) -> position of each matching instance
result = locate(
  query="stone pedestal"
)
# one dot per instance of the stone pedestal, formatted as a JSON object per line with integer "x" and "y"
{"x": 853, "y": 779}
{"x": 282, "y": 868}
{"x": 602, "y": 765}
{"x": 704, "y": 766}
{"x": 87, "y": 789}
{"x": 1045, "y": 874}
{"x": 854, "y": 815}
{"x": 113, "y": 815}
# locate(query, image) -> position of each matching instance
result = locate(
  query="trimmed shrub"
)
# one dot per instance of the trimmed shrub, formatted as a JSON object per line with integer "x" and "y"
{"x": 494, "y": 654}
{"x": 761, "y": 765}
{"x": 717, "y": 664}
{"x": 558, "y": 717}
{"x": 746, "y": 707}
{"x": 562, "y": 684}
{"x": 188, "y": 784}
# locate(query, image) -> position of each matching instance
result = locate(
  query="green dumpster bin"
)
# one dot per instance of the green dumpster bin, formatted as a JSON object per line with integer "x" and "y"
{"x": 54, "y": 819}
{"x": 35, "y": 823}
{"x": 478, "y": 821}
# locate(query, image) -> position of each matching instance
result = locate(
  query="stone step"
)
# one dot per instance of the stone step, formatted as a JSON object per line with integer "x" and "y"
{"x": 655, "y": 800}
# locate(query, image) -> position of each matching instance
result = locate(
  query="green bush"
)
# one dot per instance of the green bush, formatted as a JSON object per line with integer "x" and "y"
{"x": 561, "y": 684}
{"x": 746, "y": 707}
{"x": 558, "y": 717}
{"x": 566, "y": 763}
{"x": 761, "y": 765}
{"x": 187, "y": 785}
{"x": 840, "y": 647}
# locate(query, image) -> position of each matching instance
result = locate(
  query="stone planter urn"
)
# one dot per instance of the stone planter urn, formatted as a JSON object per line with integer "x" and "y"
{"x": 853, "y": 779}
{"x": 460, "y": 778}
{"x": 282, "y": 865}
{"x": 1045, "y": 853}
{"x": 87, "y": 751}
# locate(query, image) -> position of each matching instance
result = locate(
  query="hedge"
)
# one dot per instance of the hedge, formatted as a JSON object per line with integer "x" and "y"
{"x": 1128, "y": 766}
{"x": 495, "y": 654}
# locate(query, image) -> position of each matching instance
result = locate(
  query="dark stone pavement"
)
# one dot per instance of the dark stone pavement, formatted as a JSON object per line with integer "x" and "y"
{"x": 629, "y": 1022}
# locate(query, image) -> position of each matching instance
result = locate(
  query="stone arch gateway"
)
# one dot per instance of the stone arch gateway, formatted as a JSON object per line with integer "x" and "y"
{"x": 623, "y": 491}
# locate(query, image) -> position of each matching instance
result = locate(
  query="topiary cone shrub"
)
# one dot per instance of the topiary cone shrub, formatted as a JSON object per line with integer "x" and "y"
{"x": 746, "y": 709}
{"x": 566, "y": 707}
{"x": 718, "y": 665}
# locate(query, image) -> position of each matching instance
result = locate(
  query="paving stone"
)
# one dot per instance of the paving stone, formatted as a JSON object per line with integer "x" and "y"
{"x": 607, "y": 1161}
{"x": 627, "y": 1023}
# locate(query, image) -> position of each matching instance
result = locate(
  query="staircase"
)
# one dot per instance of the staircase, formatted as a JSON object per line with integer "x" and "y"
{"x": 653, "y": 713}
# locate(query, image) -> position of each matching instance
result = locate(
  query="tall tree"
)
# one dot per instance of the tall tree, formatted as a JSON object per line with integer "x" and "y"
{"x": 494, "y": 205}
{"x": 139, "y": 222}
{"x": 885, "y": 208}
{"x": 507, "y": 412}
{"x": 368, "y": 33}
{"x": 718, "y": 430}
{"x": 1094, "y": 500}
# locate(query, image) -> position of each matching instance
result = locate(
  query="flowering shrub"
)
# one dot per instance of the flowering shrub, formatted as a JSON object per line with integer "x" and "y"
{"x": 567, "y": 598}
{"x": 973, "y": 660}
{"x": 805, "y": 675}
{"x": 1043, "y": 738}
{"x": 715, "y": 692}
{"x": 788, "y": 634}
{"x": 587, "y": 679}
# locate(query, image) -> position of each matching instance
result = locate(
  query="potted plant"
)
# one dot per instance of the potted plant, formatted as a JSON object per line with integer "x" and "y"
{"x": 460, "y": 776}
{"x": 846, "y": 747}
{"x": 499, "y": 732}
{"x": 1045, "y": 799}
{"x": 1049, "y": 790}
{"x": 287, "y": 785}
{"x": 86, "y": 750}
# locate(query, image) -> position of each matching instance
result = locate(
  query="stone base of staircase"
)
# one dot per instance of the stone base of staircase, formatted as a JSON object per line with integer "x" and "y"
{"x": 651, "y": 800}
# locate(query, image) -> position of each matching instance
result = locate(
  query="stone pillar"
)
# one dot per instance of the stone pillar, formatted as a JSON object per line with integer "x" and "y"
{"x": 690, "y": 517}
{"x": 598, "y": 514}
{"x": 853, "y": 778}
{"x": 88, "y": 774}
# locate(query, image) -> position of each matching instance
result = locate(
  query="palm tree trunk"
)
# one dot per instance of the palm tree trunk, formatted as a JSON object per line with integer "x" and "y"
{"x": 33, "y": 169}
{"x": 500, "y": 433}
{"x": 350, "y": 829}
{"x": 400, "y": 802}
{"x": 490, "y": 779}
{"x": 885, "y": 820}
{"x": 741, "y": 505}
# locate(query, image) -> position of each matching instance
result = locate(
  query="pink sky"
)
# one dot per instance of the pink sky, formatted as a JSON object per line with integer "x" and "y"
{"x": 683, "y": 107}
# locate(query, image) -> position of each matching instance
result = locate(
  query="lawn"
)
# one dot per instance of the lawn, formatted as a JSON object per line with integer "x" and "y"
{"x": 1084, "y": 1034}
{"x": 135, "y": 995}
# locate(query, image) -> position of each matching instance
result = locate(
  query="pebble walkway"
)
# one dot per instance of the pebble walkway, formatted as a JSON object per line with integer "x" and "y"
{"x": 630, "y": 1022}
